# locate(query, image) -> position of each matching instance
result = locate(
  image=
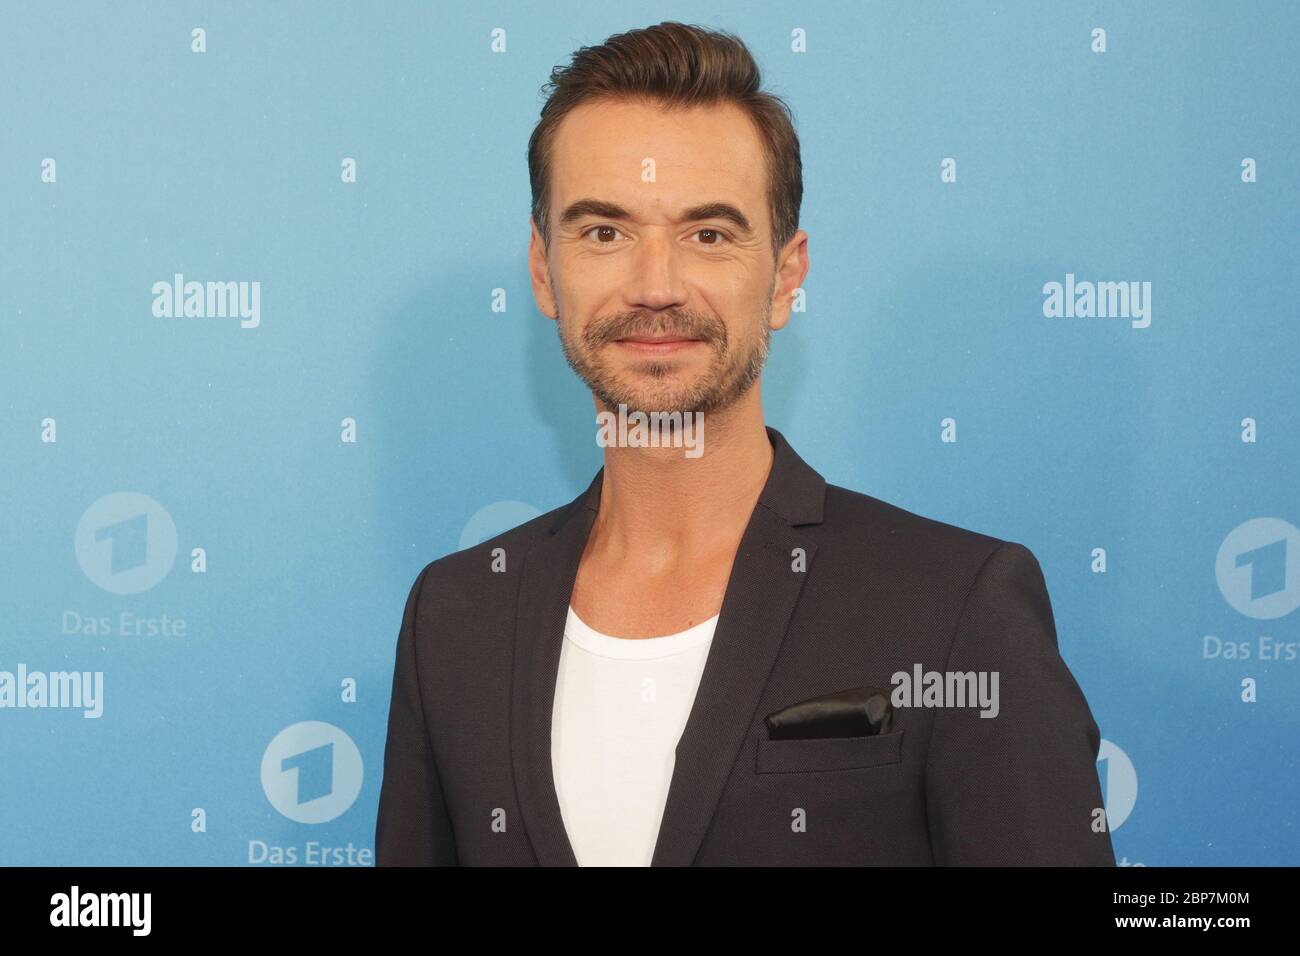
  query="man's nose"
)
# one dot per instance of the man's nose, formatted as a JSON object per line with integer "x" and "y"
{"x": 656, "y": 282}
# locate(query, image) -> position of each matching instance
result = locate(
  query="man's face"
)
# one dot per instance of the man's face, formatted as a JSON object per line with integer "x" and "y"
{"x": 662, "y": 303}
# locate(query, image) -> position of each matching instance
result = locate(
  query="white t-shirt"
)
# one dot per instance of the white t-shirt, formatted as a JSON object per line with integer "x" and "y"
{"x": 620, "y": 707}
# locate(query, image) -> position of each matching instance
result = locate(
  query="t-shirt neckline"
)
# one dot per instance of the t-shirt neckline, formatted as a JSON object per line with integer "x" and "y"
{"x": 643, "y": 648}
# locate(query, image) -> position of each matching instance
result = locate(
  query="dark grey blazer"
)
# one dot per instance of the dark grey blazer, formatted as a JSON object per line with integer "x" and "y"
{"x": 467, "y": 764}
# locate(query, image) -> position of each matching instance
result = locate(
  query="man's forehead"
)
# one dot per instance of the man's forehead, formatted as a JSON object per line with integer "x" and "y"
{"x": 603, "y": 148}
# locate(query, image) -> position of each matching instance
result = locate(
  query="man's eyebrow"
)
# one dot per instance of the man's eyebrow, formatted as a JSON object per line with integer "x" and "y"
{"x": 601, "y": 209}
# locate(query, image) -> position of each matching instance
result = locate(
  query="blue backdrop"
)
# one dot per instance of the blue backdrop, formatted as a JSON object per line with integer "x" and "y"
{"x": 215, "y": 521}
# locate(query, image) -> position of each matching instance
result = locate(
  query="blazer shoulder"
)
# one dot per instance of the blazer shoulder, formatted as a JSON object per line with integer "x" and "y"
{"x": 468, "y": 563}
{"x": 877, "y": 523}
{"x": 920, "y": 560}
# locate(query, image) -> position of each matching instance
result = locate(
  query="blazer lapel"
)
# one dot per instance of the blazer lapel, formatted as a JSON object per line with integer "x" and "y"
{"x": 549, "y": 570}
{"x": 756, "y": 610}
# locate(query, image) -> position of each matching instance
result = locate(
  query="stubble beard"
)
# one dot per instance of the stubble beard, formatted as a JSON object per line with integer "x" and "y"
{"x": 653, "y": 385}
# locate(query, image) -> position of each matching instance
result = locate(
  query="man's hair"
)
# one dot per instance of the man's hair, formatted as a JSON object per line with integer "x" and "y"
{"x": 674, "y": 65}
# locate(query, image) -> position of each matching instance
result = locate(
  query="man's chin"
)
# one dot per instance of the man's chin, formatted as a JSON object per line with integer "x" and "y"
{"x": 675, "y": 396}
{"x": 649, "y": 406}
{"x": 650, "y": 401}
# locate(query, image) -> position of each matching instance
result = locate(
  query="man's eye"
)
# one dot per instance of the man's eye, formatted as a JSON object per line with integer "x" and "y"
{"x": 596, "y": 228}
{"x": 714, "y": 237}
{"x": 717, "y": 236}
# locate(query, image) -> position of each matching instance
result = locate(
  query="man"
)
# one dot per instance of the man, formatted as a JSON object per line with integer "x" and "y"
{"x": 594, "y": 686}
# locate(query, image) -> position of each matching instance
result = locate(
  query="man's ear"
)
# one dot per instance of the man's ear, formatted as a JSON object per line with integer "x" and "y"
{"x": 537, "y": 272}
{"x": 791, "y": 270}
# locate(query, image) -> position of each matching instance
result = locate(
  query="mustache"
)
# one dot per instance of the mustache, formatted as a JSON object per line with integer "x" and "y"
{"x": 691, "y": 325}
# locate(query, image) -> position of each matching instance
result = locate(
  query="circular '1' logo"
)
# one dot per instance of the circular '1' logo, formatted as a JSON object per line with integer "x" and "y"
{"x": 311, "y": 772}
{"x": 1119, "y": 783}
{"x": 126, "y": 542}
{"x": 1258, "y": 568}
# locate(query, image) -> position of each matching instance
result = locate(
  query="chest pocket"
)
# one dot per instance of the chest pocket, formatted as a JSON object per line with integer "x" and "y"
{"x": 828, "y": 753}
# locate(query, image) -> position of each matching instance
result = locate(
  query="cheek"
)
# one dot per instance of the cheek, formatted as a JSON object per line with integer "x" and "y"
{"x": 737, "y": 297}
{"x": 746, "y": 320}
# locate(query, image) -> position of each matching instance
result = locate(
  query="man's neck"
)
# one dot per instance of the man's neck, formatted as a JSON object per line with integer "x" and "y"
{"x": 659, "y": 508}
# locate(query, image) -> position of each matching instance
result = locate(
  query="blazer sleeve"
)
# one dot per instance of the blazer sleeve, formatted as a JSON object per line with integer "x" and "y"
{"x": 413, "y": 827}
{"x": 1021, "y": 787}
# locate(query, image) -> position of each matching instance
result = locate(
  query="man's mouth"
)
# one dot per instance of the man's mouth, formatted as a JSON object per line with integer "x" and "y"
{"x": 657, "y": 344}
{"x": 656, "y": 339}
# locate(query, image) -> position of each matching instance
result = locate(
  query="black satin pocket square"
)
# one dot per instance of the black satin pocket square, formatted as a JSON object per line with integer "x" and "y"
{"x": 856, "y": 712}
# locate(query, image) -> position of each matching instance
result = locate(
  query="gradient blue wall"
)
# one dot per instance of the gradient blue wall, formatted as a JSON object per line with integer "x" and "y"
{"x": 925, "y": 302}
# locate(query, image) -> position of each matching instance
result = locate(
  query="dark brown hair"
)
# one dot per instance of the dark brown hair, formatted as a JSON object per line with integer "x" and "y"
{"x": 676, "y": 65}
